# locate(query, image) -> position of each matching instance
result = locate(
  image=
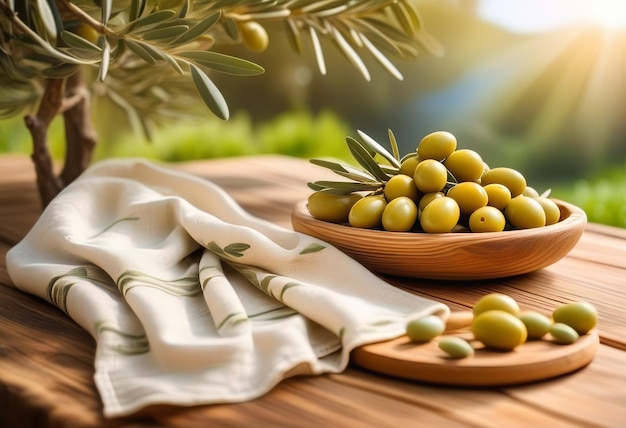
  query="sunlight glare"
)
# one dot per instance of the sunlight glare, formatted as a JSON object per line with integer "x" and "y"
{"x": 535, "y": 16}
{"x": 610, "y": 14}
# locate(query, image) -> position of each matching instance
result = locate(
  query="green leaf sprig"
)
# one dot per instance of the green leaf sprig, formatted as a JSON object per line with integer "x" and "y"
{"x": 378, "y": 165}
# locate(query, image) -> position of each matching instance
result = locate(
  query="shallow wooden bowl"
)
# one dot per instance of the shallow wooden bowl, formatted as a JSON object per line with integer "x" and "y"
{"x": 455, "y": 255}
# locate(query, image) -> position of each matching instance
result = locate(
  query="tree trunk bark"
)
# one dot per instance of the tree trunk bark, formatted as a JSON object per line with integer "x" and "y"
{"x": 47, "y": 182}
{"x": 71, "y": 98}
{"x": 80, "y": 136}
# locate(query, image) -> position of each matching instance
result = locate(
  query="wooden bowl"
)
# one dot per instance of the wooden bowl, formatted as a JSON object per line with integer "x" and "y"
{"x": 454, "y": 255}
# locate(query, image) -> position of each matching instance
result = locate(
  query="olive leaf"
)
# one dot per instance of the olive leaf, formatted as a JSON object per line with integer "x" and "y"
{"x": 165, "y": 33}
{"x": 366, "y": 159}
{"x": 143, "y": 51}
{"x": 107, "y": 7}
{"x": 294, "y": 35}
{"x": 317, "y": 48}
{"x": 378, "y": 149}
{"x": 394, "y": 146}
{"x": 406, "y": 16}
{"x": 152, "y": 19}
{"x": 350, "y": 53}
{"x": 104, "y": 64}
{"x": 136, "y": 9}
{"x": 381, "y": 58}
{"x": 343, "y": 187}
{"x": 47, "y": 17}
{"x": 199, "y": 29}
{"x": 222, "y": 62}
{"x": 77, "y": 42}
{"x": 185, "y": 8}
{"x": 211, "y": 96}
{"x": 345, "y": 170}
{"x": 60, "y": 70}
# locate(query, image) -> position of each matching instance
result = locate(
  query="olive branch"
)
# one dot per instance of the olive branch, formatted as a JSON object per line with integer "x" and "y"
{"x": 151, "y": 58}
{"x": 182, "y": 38}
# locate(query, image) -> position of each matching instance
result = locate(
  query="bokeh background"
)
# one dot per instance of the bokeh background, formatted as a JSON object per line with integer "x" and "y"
{"x": 537, "y": 85}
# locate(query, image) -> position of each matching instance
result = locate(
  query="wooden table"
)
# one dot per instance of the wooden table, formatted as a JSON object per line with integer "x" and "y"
{"x": 46, "y": 360}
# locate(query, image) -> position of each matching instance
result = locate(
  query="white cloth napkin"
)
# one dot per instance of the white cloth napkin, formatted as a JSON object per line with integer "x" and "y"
{"x": 190, "y": 299}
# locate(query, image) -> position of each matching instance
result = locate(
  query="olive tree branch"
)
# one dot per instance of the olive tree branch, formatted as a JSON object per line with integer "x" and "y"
{"x": 83, "y": 16}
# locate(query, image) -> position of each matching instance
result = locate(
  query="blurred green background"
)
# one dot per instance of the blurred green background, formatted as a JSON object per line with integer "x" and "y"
{"x": 539, "y": 86}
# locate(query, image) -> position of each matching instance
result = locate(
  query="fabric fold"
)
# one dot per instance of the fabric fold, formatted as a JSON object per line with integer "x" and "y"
{"x": 192, "y": 300}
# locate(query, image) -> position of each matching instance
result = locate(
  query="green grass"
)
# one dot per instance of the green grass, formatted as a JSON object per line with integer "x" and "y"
{"x": 603, "y": 198}
{"x": 297, "y": 133}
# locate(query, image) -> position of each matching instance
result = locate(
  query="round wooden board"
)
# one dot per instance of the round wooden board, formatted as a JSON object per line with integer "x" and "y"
{"x": 533, "y": 361}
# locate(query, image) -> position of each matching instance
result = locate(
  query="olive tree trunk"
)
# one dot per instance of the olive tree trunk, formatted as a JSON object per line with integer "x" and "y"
{"x": 69, "y": 97}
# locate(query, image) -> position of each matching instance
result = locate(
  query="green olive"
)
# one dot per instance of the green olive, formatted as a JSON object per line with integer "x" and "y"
{"x": 437, "y": 145}
{"x": 498, "y": 195}
{"x": 330, "y": 207}
{"x": 87, "y": 32}
{"x": 401, "y": 185}
{"x": 469, "y": 195}
{"x": 487, "y": 219}
{"x": 524, "y": 212}
{"x": 455, "y": 347}
{"x": 537, "y": 325}
{"x": 427, "y": 198}
{"x": 497, "y": 301}
{"x": 486, "y": 168}
{"x": 531, "y": 192}
{"x": 254, "y": 35}
{"x": 551, "y": 209}
{"x": 408, "y": 165}
{"x": 581, "y": 316}
{"x": 425, "y": 329}
{"x": 509, "y": 177}
{"x": 440, "y": 215}
{"x": 563, "y": 334}
{"x": 399, "y": 215}
{"x": 465, "y": 165}
{"x": 367, "y": 212}
{"x": 499, "y": 330}
{"x": 430, "y": 176}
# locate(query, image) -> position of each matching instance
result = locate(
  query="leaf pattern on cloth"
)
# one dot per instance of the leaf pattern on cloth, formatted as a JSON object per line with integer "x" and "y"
{"x": 263, "y": 281}
{"x": 235, "y": 250}
{"x": 186, "y": 286}
{"x": 125, "y": 343}
{"x": 273, "y": 314}
{"x": 59, "y": 286}
{"x": 115, "y": 223}
{"x": 233, "y": 320}
{"x": 312, "y": 248}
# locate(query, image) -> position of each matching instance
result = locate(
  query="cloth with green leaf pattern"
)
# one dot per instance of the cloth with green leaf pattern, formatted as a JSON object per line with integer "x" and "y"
{"x": 192, "y": 300}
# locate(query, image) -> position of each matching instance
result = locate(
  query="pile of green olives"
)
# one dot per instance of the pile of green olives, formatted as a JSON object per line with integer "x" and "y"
{"x": 438, "y": 189}
{"x": 497, "y": 322}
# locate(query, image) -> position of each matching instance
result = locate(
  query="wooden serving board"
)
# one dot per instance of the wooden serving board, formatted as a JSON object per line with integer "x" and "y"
{"x": 533, "y": 361}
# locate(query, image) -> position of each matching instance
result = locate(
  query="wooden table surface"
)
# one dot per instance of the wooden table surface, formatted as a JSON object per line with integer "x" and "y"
{"x": 46, "y": 360}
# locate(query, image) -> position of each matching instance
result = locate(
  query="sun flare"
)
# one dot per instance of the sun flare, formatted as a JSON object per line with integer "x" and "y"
{"x": 558, "y": 84}
{"x": 609, "y": 14}
{"x": 532, "y": 16}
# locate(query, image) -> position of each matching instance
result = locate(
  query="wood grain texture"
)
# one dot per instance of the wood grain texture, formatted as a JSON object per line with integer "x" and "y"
{"x": 459, "y": 256}
{"x": 46, "y": 360}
